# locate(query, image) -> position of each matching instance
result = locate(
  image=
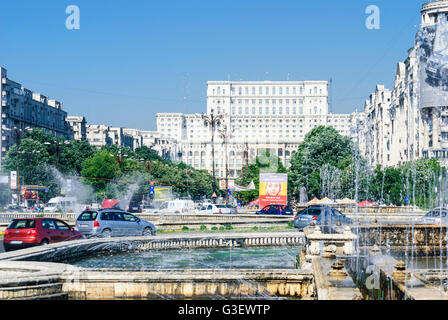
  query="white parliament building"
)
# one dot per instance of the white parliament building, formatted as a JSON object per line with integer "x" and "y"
{"x": 258, "y": 115}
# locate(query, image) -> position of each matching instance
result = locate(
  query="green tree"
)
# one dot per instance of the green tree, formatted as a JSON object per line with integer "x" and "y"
{"x": 99, "y": 169}
{"x": 73, "y": 155}
{"x": 31, "y": 160}
{"x": 321, "y": 146}
{"x": 147, "y": 154}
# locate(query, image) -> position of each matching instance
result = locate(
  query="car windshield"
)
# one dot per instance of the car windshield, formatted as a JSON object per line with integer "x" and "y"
{"x": 220, "y": 206}
{"x": 336, "y": 212}
{"x": 22, "y": 224}
{"x": 88, "y": 216}
{"x": 436, "y": 213}
{"x": 313, "y": 211}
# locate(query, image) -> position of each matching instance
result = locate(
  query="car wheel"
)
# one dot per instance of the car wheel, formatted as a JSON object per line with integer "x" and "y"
{"x": 107, "y": 233}
{"x": 147, "y": 232}
{"x": 44, "y": 242}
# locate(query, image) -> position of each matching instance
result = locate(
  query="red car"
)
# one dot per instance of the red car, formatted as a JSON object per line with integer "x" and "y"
{"x": 24, "y": 233}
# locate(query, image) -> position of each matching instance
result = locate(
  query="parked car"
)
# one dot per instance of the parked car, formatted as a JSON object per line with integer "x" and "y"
{"x": 435, "y": 216}
{"x": 112, "y": 222}
{"x": 233, "y": 209}
{"x": 215, "y": 208}
{"x": 176, "y": 206}
{"x": 276, "y": 209}
{"x": 60, "y": 204}
{"x": 15, "y": 208}
{"x": 320, "y": 215}
{"x": 148, "y": 208}
{"x": 24, "y": 233}
{"x": 134, "y": 207}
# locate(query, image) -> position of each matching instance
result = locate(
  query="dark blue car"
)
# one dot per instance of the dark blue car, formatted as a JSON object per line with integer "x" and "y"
{"x": 276, "y": 209}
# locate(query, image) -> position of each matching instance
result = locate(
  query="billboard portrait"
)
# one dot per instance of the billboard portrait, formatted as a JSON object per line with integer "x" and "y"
{"x": 432, "y": 55}
{"x": 273, "y": 189}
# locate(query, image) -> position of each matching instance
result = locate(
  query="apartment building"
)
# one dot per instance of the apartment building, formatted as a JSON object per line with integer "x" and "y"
{"x": 23, "y": 109}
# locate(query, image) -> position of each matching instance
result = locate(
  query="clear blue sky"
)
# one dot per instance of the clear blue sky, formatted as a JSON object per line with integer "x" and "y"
{"x": 133, "y": 58}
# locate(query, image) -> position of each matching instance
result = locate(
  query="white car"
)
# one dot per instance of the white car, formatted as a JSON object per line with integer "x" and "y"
{"x": 176, "y": 206}
{"x": 60, "y": 204}
{"x": 214, "y": 208}
{"x": 148, "y": 208}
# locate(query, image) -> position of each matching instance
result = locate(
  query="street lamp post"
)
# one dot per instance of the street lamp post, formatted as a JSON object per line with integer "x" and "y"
{"x": 225, "y": 136}
{"x": 28, "y": 158}
{"x": 57, "y": 146}
{"x": 212, "y": 121}
{"x": 18, "y": 133}
{"x": 147, "y": 165}
{"x": 120, "y": 157}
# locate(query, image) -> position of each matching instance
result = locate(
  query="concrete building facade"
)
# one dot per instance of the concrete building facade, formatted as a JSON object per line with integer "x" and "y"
{"x": 22, "y": 109}
{"x": 79, "y": 127}
{"x": 399, "y": 126}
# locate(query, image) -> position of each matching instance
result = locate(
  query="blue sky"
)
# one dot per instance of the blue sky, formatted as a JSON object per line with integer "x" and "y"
{"x": 131, "y": 59}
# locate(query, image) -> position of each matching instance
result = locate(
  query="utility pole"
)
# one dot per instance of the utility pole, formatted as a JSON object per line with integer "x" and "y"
{"x": 212, "y": 121}
{"x": 225, "y": 136}
{"x": 246, "y": 157}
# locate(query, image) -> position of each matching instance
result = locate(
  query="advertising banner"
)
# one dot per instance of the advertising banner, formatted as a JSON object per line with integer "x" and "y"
{"x": 432, "y": 55}
{"x": 273, "y": 189}
{"x": 13, "y": 179}
{"x": 163, "y": 193}
{"x": 222, "y": 184}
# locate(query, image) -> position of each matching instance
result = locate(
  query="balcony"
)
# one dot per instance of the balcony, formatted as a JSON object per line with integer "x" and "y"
{"x": 437, "y": 154}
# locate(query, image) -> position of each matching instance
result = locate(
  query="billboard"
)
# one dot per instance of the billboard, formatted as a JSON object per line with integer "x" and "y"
{"x": 163, "y": 193}
{"x": 222, "y": 184}
{"x": 432, "y": 55}
{"x": 273, "y": 189}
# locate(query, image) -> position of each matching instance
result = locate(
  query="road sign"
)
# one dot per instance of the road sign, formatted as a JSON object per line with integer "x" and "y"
{"x": 13, "y": 180}
{"x": 214, "y": 195}
{"x": 151, "y": 190}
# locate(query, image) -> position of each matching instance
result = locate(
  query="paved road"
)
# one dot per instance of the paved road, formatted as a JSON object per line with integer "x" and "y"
{"x": 1, "y": 245}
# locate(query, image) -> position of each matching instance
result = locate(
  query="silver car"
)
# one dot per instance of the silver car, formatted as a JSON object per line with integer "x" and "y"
{"x": 436, "y": 216}
{"x": 323, "y": 216}
{"x": 112, "y": 223}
